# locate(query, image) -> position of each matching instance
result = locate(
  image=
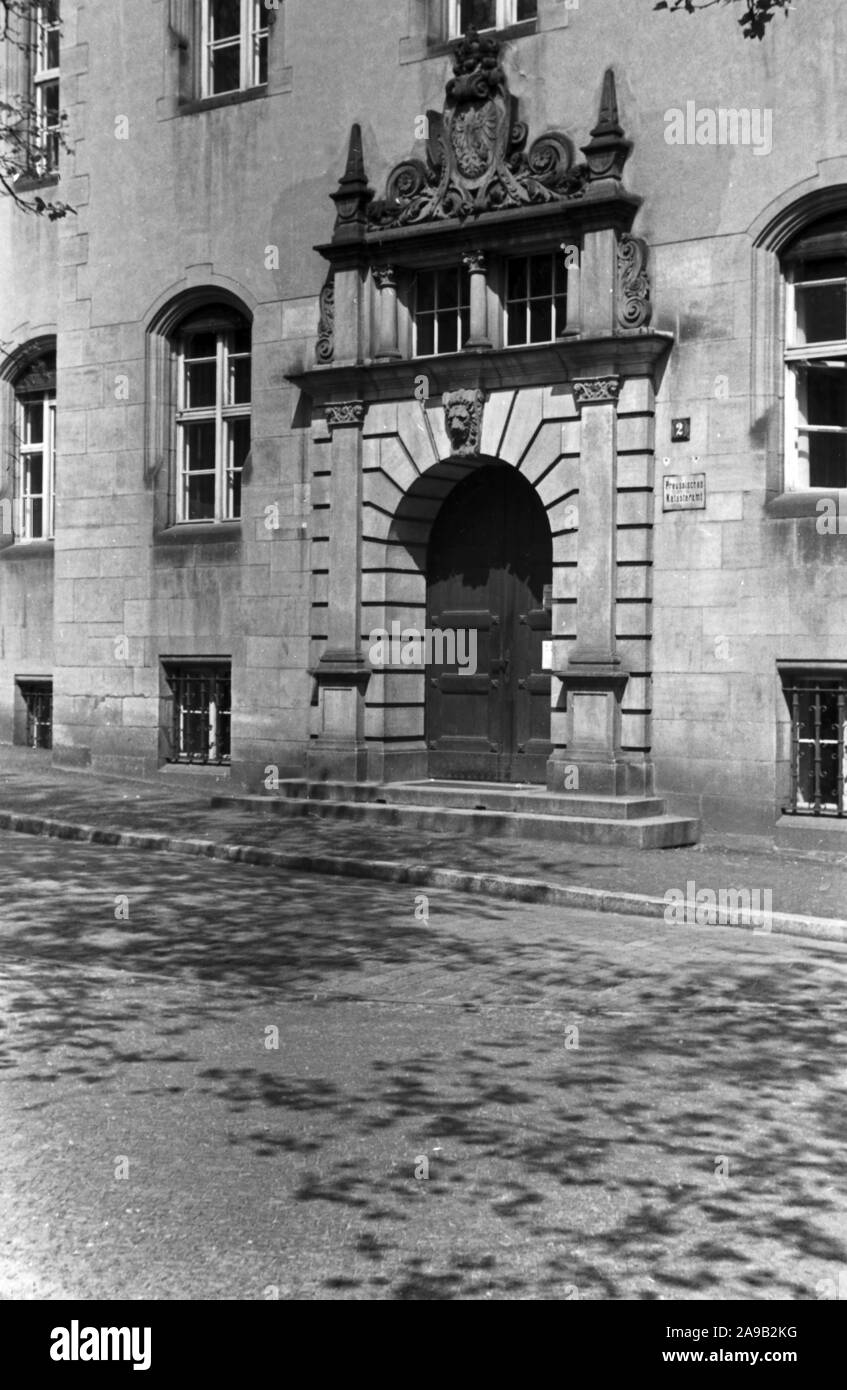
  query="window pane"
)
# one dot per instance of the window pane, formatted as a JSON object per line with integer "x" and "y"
{"x": 541, "y": 275}
{"x": 426, "y": 335}
{"x": 200, "y": 497}
{"x": 34, "y": 473}
{"x": 37, "y": 524}
{"x": 826, "y": 396}
{"x": 448, "y": 331}
{"x": 448, "y": 288}
{"x": 233, "y": 507}
{"x": 527, "y": 9}
{"x": 51, "y": 47}
{"x": 425, "y": 291}
{"x": 34, "y": 423}
{"x": 200, "y": 345}
{"x": 481, "y": 13}
{"x": 827, "y": 460}
{"x": 560, "y": 305}
{"x": 832, "y": 268}
{"x": 540, "y": 320}
{"x": 822, "y": 314}
{"x": 517, "y": 325}
{"x": 517, "y": 279}
{"x": 239, "y": 339}
{"x": 260, "y": 59}
{"x": 239, "y": 381}
{"x": 226, "y": 68}
{"x": 199, "y": 384}
{"x": 224, "y": 18}
{"x": 200, "y": 446}
{"x": 239, "y": 442}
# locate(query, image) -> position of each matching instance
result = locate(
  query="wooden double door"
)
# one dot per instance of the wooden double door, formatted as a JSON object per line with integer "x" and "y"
{"x": 489, "y": 570}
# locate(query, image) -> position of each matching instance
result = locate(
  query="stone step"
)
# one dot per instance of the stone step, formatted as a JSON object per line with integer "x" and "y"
{"x": 477, "y": 796}
{"x": 650, "y": 832}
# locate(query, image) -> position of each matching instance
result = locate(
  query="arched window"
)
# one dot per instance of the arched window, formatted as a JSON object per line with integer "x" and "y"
{"x": 212, "y": 350}
{"x": 35, "y": 435}
{"x": 815, "y": 268}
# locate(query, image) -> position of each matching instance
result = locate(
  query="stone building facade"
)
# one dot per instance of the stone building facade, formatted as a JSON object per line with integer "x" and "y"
{"x": 365, "y": 323}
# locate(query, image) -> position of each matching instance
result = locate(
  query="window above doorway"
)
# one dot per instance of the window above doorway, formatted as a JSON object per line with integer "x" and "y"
{"x": 485, "y": 15}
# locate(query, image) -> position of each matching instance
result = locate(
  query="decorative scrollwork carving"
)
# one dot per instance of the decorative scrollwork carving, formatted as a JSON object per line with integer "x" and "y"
{"x": 634, "y": 305}
{"x": 325, "y": 348}
{"x": 598, "y": 390}
{"x": 345, "y": 413}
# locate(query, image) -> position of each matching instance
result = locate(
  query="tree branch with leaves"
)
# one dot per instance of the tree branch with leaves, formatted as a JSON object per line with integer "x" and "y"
{"x": 754, "y": 21}
{"x": 22, "y": 123}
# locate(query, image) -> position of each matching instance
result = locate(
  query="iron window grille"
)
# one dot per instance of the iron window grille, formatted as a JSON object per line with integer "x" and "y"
{"x": 489, "y": 14}
{"x": 199, "y": 730}
{"x": 45, "y": 83}
{"x": 213, "y": 417}
{"x": 442, "y": 314}
{"x": 536, "y": 299}
{"x": 818, "y": 708}
{"x": 234, "y": 44}
{"x": 38, "y": 699}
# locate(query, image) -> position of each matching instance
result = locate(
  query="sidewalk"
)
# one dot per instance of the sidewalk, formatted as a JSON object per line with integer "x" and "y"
{"x": 808, "y": 891}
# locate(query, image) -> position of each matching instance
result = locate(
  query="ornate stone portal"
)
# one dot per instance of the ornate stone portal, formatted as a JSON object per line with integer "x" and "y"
{"x": 383, "y": 454}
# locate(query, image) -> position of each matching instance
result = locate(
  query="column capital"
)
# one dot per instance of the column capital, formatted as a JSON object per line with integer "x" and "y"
{"x": 474, "y": 262}
{"x": 385, "y": 277}
{"x": 596, "y": 390}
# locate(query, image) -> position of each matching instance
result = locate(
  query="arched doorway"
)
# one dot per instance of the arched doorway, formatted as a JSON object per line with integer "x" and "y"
{"x": 489, "y": 561}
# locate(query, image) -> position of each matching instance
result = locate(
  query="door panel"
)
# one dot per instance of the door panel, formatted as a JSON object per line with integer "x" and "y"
{"x": 490, "y": 558}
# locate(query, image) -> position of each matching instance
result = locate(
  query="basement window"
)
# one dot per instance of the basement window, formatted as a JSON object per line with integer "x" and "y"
{"x": 197, "y": 712}
{"x": 818, "y": 709}
{"x": 37, "y": 697}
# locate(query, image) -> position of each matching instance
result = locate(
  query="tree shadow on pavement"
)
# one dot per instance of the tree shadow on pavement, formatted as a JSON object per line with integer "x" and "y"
{"x": 685, "y": 1142}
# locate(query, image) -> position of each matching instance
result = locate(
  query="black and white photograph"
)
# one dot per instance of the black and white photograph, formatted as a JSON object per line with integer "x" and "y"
{"x": 423, "y": 665}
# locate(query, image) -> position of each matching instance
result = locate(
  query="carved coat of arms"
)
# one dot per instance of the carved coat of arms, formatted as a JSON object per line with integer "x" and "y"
{"x": 476, "y": 157}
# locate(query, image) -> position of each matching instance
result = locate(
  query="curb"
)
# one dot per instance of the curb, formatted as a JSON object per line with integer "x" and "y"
{"x": 499, "y": 886}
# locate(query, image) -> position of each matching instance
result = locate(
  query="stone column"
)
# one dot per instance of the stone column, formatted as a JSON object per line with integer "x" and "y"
{"x": 474, "y": 261}
{"x": 342, "y": 673}
{"x": 386, "y": 282}
{"x": 598, "y": 279}
{"x": 597, "y": 400}
{"x": 594, "y": 678}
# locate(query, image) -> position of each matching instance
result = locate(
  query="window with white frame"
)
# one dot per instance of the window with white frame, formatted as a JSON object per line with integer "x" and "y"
{"x": 234, "y": 45}
{"x": 213, "y": 415}
{"x": 45, "y": 87}
{"x": 816, "y": 360}
{"x": 35, "y": 392}
{"x": 441, "y": 311}
{"x": 488, "y": 14}
{"x": 536, "y": 298}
